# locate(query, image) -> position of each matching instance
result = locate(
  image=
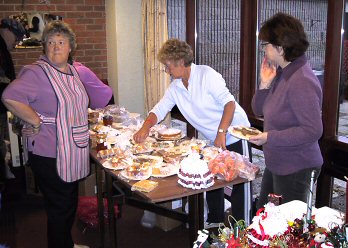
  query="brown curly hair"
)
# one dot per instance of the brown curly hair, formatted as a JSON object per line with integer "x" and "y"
{"x": 174, "y": 50}
{"x": 287, "y": 32}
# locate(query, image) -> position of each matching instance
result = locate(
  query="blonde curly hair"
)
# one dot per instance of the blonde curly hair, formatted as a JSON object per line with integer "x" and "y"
{"x": 175, "y": 50}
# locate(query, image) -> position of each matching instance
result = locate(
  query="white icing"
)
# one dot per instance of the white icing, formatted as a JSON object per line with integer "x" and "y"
{"x": 194, "y": 165}
{"x": 170, "y": 131}
{"x": 194, "y": 173}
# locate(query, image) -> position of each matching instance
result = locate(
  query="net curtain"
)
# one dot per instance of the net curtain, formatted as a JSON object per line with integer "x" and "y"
{"x": 155, "y": 33}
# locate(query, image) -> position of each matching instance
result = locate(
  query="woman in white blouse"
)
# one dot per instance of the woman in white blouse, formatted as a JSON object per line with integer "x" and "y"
{"x": 202, "y": 97}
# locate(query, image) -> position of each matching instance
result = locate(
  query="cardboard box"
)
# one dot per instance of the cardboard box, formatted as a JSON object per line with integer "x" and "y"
{"x": 165, "y": 223}
{"x": 88, "y": 186}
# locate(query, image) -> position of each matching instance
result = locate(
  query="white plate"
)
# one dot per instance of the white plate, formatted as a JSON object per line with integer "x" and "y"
{"x": 143, "y": 148}
{"x": 172, "y": 170}
{"x": 172, "y": 173}
{"x": 232, "y": 130}
{"x": 193, "y": 142}
{"x": 138, "y": 178}
{"x": 108, "y": 164}
{"x": 155, "y": 160}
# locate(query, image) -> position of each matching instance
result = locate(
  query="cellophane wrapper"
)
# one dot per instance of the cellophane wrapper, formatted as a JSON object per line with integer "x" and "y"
{"x": 230, "y": 165}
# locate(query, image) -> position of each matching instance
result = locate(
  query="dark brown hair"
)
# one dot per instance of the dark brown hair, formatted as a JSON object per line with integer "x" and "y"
{"x": 287, "y": 32}
{"x": 174, "y": 50}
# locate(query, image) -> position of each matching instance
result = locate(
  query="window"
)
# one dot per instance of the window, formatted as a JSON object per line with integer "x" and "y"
{"x": 313, "y": 15}
{"x": 176, "y": 10}
{"x": 218, "y": 39}
{"x": 218, "y": 35}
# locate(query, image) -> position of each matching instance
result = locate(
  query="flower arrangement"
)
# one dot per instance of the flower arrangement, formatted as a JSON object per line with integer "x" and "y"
{"x": 299, "y": 234}
{"x": 274, "y": 227}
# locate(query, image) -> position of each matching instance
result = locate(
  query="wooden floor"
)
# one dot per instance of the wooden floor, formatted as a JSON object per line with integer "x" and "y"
{"x": 23, "y": 225}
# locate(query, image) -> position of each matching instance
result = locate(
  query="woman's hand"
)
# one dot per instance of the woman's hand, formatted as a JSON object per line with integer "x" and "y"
{"x": 267, "y": 73}
{"x": 144, "y": 131}
{"x": 220, "y": 140}
{"x": 141, "y": 135}
{"x": 30, "y": 130}
{"x": 259, "y": 139}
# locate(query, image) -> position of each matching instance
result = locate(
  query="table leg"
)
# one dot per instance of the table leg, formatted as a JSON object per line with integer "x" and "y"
{"x": 99, "y": 183}
{"x": 196, "y": 216}
{"x": 111, "y": 212}
{"x": 346, "y": 201}
{"x": 201, "y": 211}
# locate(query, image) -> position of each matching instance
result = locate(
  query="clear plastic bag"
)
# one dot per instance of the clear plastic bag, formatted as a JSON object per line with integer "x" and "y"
{"x": 229, "y": 165}
{"x": 246, "y": 169}
{"x": 224, "y": 164}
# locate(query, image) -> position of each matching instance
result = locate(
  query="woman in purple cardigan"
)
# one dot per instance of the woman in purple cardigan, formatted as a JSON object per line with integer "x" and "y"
{"x": 52, "y": 97}
{"x": 289, "y": 97}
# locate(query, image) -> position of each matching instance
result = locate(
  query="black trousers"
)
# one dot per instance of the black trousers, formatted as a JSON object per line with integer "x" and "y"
{"x": 60, "y": 199}
{"x": 216, "y": 198}
{"x": 291, "y": 187}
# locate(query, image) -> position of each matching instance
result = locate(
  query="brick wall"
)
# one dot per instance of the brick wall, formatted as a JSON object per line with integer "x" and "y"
{"x": 86, "y": 17}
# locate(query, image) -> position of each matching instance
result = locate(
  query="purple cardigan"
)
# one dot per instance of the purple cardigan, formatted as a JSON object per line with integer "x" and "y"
{"x": 292, "y": 117}
{"x": 33, "y": 88}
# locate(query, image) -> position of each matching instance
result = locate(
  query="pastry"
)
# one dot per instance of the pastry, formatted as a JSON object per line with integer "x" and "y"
{"x": 169, "y": 134}
{"x": 144, "y": 185}
{"x": 243, "y": 132}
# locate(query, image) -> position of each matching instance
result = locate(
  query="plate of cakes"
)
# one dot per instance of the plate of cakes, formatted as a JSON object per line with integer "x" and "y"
{"x": 169, "y": 134}
{"x": 137, "y": 171}
{"x": 165, "y": 170}
{"x": 242, "y": 132}
{"x": 160, "y": 145}
{"x": 193, "y": 145}
{"x": 118, "y": 162}
{"x": 148, "y": 159}
{"x": 173, "y": 154}
{"x": 141, "y": 148}
{"x": 144, "y": 147}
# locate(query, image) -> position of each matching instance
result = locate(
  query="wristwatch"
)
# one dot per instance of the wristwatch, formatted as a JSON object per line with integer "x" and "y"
{"x": 222, "y": 131}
